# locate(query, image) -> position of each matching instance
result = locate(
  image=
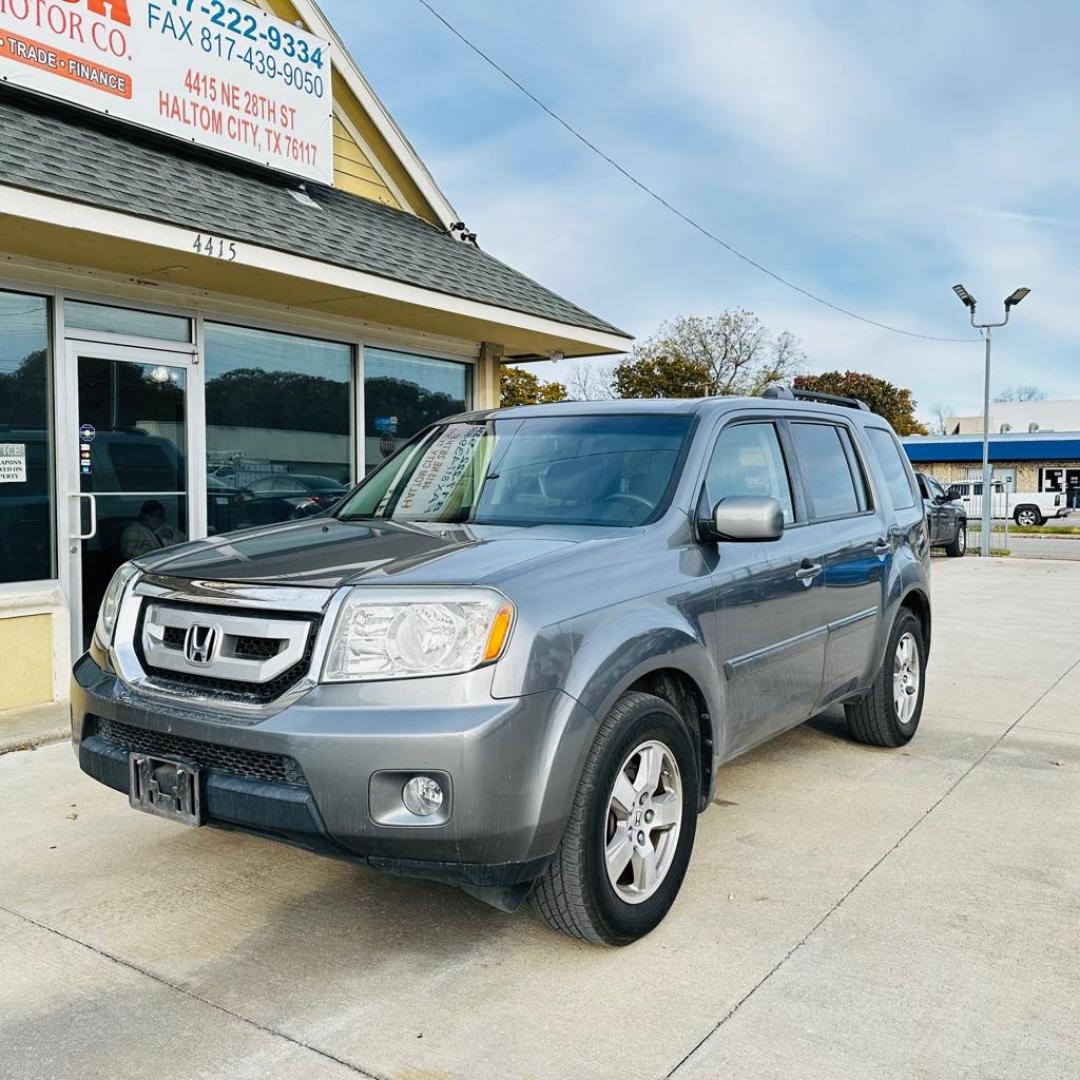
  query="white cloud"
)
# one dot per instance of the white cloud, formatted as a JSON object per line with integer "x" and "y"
{"x": 873, "y": 154}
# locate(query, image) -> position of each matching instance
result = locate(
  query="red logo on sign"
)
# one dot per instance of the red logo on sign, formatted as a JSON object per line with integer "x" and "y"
{"x": 118, "y": 9}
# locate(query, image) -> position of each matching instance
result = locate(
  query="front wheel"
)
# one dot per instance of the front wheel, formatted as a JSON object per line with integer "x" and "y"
{"x": 889, "y": 715}
{"x": 627, "y": 844}
{"x": 959, "y": 546}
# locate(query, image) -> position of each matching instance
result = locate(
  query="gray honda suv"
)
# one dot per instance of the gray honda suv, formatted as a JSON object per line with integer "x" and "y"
{"x": 515, "y": 657}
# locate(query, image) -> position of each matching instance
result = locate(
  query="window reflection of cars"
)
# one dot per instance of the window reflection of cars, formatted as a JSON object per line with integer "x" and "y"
{"x": 287, "y": 497}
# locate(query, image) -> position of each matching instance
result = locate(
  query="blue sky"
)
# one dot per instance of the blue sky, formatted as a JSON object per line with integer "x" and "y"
{"x": 876, "y": 154}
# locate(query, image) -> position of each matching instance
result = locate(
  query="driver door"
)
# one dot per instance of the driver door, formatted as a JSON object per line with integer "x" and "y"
{"x": 770, "y": 628}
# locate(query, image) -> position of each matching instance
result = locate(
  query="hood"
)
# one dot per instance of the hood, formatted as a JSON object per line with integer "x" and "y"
{"x": 327, "y": 553}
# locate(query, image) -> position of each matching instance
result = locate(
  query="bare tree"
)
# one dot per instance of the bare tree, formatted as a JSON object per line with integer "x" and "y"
{"x": 1021, "y": 393}
{"x": 729, "y": 353}
{"x": 941, "y": 415}
{"x": 589, "y": 380}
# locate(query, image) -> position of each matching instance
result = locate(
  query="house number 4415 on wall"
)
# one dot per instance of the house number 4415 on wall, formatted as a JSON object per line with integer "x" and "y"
{"x": 214, "y": 247}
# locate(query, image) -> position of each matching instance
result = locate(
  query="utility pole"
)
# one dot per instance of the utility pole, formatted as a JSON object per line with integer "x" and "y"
{"x": 969, "y": 302}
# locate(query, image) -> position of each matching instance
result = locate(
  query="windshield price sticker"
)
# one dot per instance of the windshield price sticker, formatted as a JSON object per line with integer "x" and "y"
{"x": 224, "y": 75}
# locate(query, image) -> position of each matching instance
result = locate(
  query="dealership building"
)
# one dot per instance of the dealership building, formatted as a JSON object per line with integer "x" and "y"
{"x": 1046, "y": 461}
{"x": 228, "y": 289}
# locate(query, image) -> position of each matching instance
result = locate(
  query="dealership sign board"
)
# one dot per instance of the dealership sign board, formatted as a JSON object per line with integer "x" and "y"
{"x": 228, "y": 76}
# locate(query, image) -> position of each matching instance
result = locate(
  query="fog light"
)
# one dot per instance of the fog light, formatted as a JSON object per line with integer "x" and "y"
{"x": 422, "y": 796}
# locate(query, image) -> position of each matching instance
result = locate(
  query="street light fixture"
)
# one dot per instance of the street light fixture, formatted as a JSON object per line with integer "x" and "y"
{"x": 1015, "y": 298}
{"x": 965, "y": 297}
{"x": 968, "y": 301}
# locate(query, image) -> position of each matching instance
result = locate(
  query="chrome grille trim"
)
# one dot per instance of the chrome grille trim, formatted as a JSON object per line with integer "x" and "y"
{"x": 134, "y": 677}
{"x": 229, "y": 662}
{"x": 234, "y": 594}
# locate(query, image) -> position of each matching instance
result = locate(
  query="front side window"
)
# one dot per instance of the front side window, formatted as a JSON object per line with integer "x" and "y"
{"x": 827, "y": 470}
{"x": 936, "y": 490}
{"x": 278, "y": 409}
{"x": 894, "y": 467}
{"x": 405, "y": 393}
{"x": 747, "y": 460}
{"x": 26, "y": 440}
{"x": 568, "y": 470}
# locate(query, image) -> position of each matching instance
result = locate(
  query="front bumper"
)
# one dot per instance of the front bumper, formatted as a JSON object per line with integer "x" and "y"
{"x": 513, "y": 765}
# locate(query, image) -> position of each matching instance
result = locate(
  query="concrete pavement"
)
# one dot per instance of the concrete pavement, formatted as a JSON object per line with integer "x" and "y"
{"x": 848, "y": 912}
{"x": 35, "y": 725}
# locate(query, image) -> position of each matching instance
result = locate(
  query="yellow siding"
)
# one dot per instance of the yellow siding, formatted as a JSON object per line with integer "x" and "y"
{"x": 26, "y": 675}
{"x": 353, "y": 169}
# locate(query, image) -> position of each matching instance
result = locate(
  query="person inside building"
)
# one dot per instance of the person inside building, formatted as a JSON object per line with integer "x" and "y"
{"x": 149, "y": 532}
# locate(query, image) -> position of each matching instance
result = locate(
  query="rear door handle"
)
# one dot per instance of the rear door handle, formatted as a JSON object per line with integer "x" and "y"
{"x": 808, "y": 571}
{"x": 882, "y": 547}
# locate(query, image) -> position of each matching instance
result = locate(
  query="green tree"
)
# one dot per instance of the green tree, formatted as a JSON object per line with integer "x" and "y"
{"x": 521, "y": 387}
{"x": 893, "y": 402}
{"x": 693, "y": 356}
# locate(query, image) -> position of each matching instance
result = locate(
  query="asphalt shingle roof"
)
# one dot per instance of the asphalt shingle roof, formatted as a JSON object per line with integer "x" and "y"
{"x": 77, "y": 156}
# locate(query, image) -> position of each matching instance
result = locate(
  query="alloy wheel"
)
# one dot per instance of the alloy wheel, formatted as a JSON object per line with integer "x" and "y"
{"x": 906, "y": 678}
{"x": 644, "y": 816}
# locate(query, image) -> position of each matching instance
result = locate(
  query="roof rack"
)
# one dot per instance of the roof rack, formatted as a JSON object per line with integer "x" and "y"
{"x": 786, "y": 393}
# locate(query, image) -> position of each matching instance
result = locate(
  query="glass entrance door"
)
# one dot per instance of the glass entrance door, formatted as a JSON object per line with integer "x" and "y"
{"x": 131, "y": 479}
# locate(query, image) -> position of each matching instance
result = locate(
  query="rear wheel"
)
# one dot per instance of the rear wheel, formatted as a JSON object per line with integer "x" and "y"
{"x": 959, "y": 545}
{"x": 1028, "y": 515}
{"x": 889, "y": 715}
{"x": 627, "y": 844}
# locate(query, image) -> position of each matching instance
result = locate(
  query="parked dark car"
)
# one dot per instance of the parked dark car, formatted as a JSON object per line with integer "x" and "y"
{"x": 286, "y": 497}
{"x": 517, "y": 655}
{"x": 946, "y": 516}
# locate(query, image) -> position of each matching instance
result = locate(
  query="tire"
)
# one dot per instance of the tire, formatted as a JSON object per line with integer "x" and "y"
{"x": 875, "y": 720}
{"x": 576, "y": 894}
{"x": 1028, "y": 515}
{"x": 959, "y": 545}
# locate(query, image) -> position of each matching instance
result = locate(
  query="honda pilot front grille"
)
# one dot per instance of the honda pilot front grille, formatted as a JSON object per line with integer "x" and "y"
{"x": 243, "y": 656}
{"x": 249, "y": 764}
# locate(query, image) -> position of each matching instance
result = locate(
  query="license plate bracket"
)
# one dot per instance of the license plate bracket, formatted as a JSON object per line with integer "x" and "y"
{"x": 167, "y": 788}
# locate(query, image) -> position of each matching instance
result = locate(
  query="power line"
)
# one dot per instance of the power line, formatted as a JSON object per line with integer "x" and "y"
{"x": 655, "y": 195}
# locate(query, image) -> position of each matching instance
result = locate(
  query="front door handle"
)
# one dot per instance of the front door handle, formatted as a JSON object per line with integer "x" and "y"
{"x": 883, "y": 547}
{"x": 808, "y": 571}
{"x": 93, "y": 518}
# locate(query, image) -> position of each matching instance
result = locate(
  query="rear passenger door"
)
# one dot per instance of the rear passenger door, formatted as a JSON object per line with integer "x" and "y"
{"x": 770, "y": 622}
{"x": 851, "y": 532}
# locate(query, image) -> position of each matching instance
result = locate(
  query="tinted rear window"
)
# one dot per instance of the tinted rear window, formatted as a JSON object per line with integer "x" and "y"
{"x": 826, "y": 470}
{"x": 893, "y": 463}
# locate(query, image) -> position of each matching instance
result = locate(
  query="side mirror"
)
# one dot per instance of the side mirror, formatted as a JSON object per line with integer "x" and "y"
{"x": 745, "y": 518}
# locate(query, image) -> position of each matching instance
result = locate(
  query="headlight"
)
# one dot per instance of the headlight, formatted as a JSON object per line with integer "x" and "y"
{"x": 110, "y": 605}
{"x": 402, "y": 633}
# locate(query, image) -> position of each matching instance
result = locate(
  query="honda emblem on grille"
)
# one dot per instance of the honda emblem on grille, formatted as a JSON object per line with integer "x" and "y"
{"x": 201, "y": 644}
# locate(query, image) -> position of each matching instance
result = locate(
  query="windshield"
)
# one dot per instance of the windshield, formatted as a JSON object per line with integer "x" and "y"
{"x": 571, "y": 470}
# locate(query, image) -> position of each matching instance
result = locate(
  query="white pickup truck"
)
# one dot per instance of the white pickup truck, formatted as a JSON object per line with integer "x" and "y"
{"x": 1024, "y": 507}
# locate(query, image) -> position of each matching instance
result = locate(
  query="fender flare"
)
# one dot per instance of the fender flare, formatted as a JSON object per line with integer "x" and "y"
{"x": 628, "y": 650}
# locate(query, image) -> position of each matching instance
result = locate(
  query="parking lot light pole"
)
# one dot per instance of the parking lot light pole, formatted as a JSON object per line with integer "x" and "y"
{"x": 968, "y": 301}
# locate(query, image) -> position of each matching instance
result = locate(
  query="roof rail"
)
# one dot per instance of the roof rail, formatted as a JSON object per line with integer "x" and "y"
{"x": 786, "y": 393}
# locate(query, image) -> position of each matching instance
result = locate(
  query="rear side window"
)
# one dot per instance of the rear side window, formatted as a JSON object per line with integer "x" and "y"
{"x": 826, "y": 468}
{"x": 893, "y": 463}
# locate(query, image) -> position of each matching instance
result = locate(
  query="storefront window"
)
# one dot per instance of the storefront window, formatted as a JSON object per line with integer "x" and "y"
{"x": 27, "y": 551}
{"x": 116, "y": 320}
{"x": 404, "y": 393}
{"x": 278, "y": 410}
